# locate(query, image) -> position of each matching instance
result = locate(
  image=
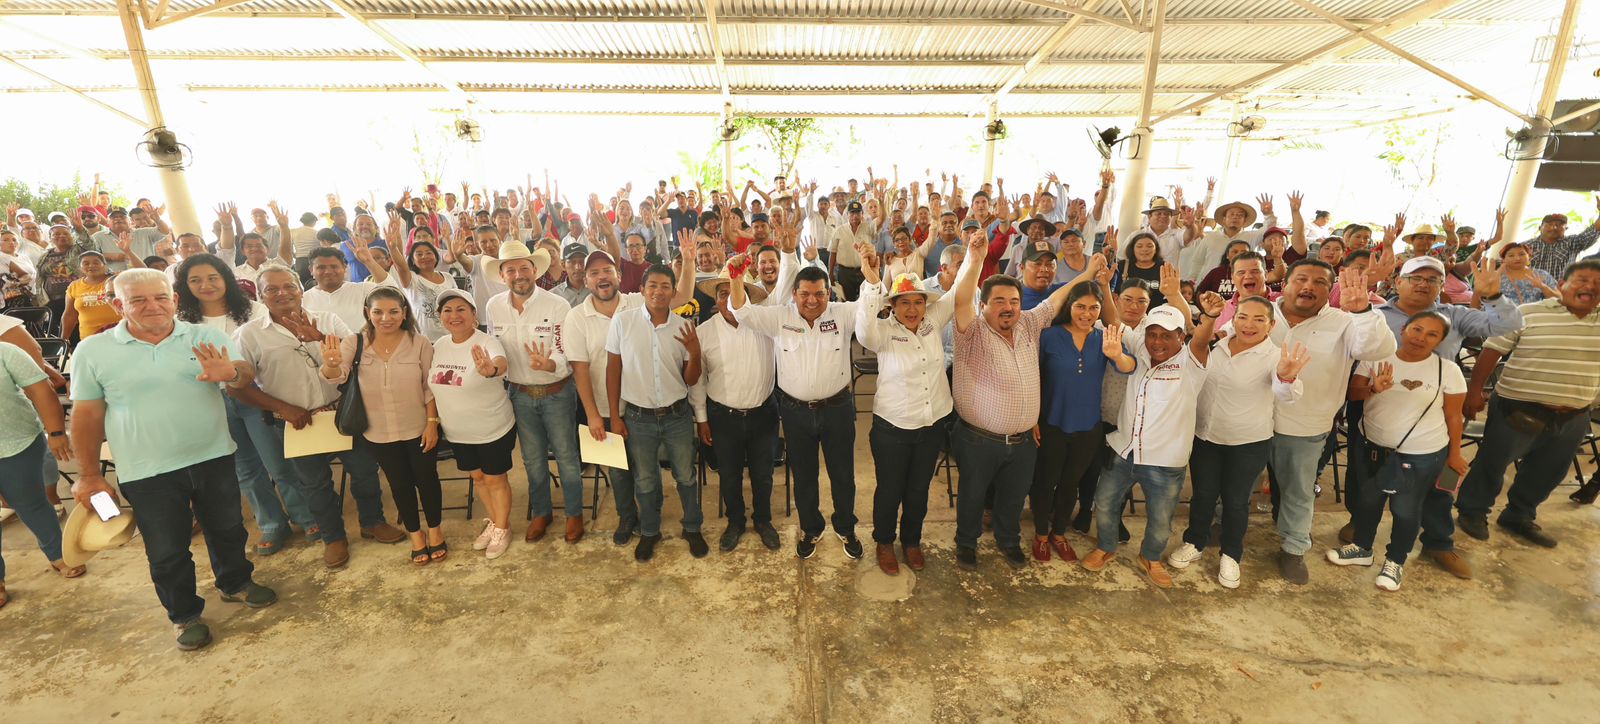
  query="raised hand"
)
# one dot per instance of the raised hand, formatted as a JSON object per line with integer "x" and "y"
{"x": 1211, "y": 303}
{"x": 1382, "y": 377}
{"x": 1353, "y": 292}
{"x": 1171, "y": 283}
{"x": 214, "y": 364}
{"x": 690, "y": 340}
{"x": 1291, "y": 360}
{"x": 1264, "y": 202}
{"x": 977, "y": 243}
{"x": 1486, "y": 277}
{"x": 1111, "y": 344}
{"x": 1448, "y": 221}
{"x": 1383, "y": 262}
{"x": 1211, "y": 183}
{"x": 1295, "y": 199}
{"x": 1111, "y": 239}
{"x": 482, "y": 360}
{"x": 223, "y": 214}
{"x": 332, "y": 353}
{"x": 538, "y": 357}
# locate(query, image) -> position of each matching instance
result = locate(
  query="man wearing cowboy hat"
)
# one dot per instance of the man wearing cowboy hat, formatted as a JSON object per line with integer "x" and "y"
{"x": 734, "y": 410}
{"x": 584, "y": 333}
{"x": 1233, "y": 222}
{"x": 528, "y": 321}
{"x": 1158, "y": 223}
{"x": 150, "y": 387}
{"x": 1035, "y": 231}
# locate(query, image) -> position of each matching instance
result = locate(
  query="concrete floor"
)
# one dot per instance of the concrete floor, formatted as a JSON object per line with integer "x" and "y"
{"x": 583, "y": 633}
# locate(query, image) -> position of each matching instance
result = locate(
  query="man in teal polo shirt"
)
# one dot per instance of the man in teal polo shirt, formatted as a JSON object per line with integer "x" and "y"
{"x": 150, "y": 388}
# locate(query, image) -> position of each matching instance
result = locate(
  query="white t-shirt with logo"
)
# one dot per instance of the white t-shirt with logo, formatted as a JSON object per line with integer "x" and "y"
{"x": 473, "y": 409}
{"x": 1389, "y": 414}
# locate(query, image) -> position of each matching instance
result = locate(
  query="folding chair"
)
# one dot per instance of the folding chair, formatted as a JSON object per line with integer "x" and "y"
{"x": 35, "y": 319}
{"x": 445, "y": 452}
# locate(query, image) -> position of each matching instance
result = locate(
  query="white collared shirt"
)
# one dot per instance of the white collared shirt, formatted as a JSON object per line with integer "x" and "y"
{"x": 287, "y": 368}
{"x": 842, "y": 245}
{"x": 584, "y": 336}
{"x": 539, "y": 322}
{"x": 813, "y": 358}
{"x": 1202, "y": 255}
{"x": 652, "y": 357}
{"x": 1156, "y": 424}
{"x": 1233, "y": 410}
{"x": 484, "y": 287}
{"x": 1335, "y": 339}
{"x": 737, "y": 368}
{"x": 913, "y": 392}
{"x": 246, "y": 273}
{"x": 348, "y": 302}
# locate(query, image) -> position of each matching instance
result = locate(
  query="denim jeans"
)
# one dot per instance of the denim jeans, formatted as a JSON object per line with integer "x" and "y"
{"x": 1161, "y": 486}
{"x": 314, "y": 476}
{"x": 1404, "y": 480}
{"x": 904, "y": 461}
{"x": 1294, "y": 468}
{"x": 19, "y": 483}
{"x": 1229, "y": 473}
{"x": 649, "y": 438}
{"x": 164, "y": 506}
{"x": 1542, "y": 463}
{"x": 833, "y": 429}
{"x": 264, "y": 474}
{"x": 984, "y": 463}
{"x": 743, "y": 441}
{"x": 546, "y": 425}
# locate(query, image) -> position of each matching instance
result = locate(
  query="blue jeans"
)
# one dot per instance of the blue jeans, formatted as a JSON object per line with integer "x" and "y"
{"x": 164, "y": 506}
{"x": 19, "y": 483}
{"x": 1405, "y": 481}
{"x": 547, "y": 425}
{"x": 1293, "y": 460}
{"x": 985, "y": 463}
{"x": 314, "y": 474}
{"x": 650, "y": 437}
{"x": 1160, "y": 485}
{"x": 264, "y": 474}
{"x": 1542, "y": 463}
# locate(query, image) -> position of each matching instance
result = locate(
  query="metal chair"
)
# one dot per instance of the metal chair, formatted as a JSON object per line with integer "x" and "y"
{"x": 445, "y": 452}
{"x": 35, "y": 319}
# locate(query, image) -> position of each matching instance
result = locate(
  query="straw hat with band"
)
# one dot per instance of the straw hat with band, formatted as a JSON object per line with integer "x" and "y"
{"x": 85, "y": 534}
{"x": 1159, "y": 203}
{"x": 909, "y": 283}
{"x": 709, "y": 287}
{"x": 1424, "y": 230}
{"x": 513, "y": 250}
{"x": 1249, "y": 212}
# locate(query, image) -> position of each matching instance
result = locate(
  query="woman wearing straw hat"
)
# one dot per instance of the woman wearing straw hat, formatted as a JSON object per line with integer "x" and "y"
{"x": 22, "y": 447}
{"x": 913, "y": 408}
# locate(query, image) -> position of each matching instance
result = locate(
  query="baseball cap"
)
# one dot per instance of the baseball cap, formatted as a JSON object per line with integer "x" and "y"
{"x": 1421, "y": 262}
{"x": 757, "y": 217}
{"x": 1463, "y": 231}
{"x": 1559, "y": 218}
{"x": 574, "y": 249}
{"x": 1275, "y": 230}
{"x": 1039, "y": 250}
{"x": 450, "y": 294}
{"x": 854, "y": 207}
{"x": 1165, "y": 317}
{"x": 971, "y": 224}
{"x": 25, "y": 212}
{"x": 598, "y": 255}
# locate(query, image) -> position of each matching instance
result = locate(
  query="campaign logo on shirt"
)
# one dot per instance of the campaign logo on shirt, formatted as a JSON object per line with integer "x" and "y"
{"x": 827, "y": 326}
{"x": 450, "y": 376}
{"x": 796, "y": 330}
{"x": 898, "y": 338}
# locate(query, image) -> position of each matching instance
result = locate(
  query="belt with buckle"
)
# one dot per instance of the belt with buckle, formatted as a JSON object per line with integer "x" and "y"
{"x": 724, "y": 409}
{"x": 678, "y": 406}
{"x": 539, "y": 392}
{"x": 837, "y": 398}
{"x": 1013, "y": 439}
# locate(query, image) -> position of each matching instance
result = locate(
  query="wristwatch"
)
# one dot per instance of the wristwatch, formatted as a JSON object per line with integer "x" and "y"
{"x": 57, "y": 433}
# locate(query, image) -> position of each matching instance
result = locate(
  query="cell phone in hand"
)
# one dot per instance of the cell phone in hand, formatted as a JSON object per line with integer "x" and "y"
{"x": 1449, "y": 480}
{"x": 104, "y": 506}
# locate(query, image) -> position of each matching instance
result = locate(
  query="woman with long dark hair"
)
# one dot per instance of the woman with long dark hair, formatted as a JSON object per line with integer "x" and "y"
{"x": 1142, "y": 260}
{"x": 402, "y": 417}
{"x": 209, "y": 293}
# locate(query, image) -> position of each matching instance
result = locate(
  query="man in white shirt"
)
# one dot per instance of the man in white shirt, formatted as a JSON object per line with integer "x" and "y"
{"x": 1318, "y": 230}
{"x": 1336, "y": 339}
{"x": 528, "y": 321}
{"x": 1153, "y": 442}
{"x": 734, "y": 411}
{"x": 843, "y": 256}
{"x": 1233, "y": 222}
{"x": 654, "y": 357}
{"x": 255, "y": 244}
{"x": 334, "y": 292}
{"x": 814, "y": 399}
{"x": 1170, "y": 239}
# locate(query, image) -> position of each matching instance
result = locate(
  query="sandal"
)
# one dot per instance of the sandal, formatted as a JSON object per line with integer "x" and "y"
{"x": 420, "y": 556}
{"x": 266, "y": 547}
{"x": 313, "y": 533}
{"x": 5, "y": 598}
{"x": 66, "y": 571}
{"x": 439, "y": 552}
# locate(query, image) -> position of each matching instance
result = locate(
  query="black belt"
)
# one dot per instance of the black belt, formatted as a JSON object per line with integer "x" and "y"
{"x": 837, "y": 398}
{"x": 679, "y": 406}
{"x": 1013, "y": 439}
{"x": 724, "y": 409}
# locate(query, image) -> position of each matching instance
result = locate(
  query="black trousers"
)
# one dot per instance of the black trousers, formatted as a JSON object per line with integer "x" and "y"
{"x": 904, "y": 461}
{"x": 412, "y": 474}
{"x": 832, "y": 428}
{"x": 1064, "y": 460}
{"x": 165, "y": 505}
{"x": 744, "y": 441}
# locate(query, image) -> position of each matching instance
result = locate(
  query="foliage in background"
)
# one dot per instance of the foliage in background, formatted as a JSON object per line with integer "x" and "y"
{"x": 47, "y": 197}
{"x": 1412, "y": 154}
{"x": 1578, "y": 217}
{"x": 784, "y": 137}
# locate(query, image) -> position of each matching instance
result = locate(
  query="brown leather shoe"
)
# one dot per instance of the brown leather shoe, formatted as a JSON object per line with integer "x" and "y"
{"x": 886, "y": 559}
{"x": 384, "y": 533}
{"x": 914, "y": 557}
{"x": 537, "y": 528}
{"x": 1157, "y": 572}
{"x": 1096, "y": 560}
{"x": 1452, "y": 562}
{"x": 336, "y": 554}
{"x": 574, "y": 529}
{"x": 1347, "y": 534}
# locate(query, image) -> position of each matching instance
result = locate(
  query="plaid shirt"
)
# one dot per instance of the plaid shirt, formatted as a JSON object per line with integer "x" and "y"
{"x": 996, "y": 381}
{"x": 1554, "y": 257}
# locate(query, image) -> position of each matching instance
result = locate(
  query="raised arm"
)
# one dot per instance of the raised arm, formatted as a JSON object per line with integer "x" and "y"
{"x": 285, "y": 240}
{"x": 225, "y": 214}
{"x": 966, "y": 282}
{"x": 1211, "y": 304}
{"x": 1297, "y": 230}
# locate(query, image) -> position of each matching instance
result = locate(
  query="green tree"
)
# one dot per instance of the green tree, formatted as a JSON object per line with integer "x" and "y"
{"x": 784, "y": 137}
{"x": 1412, "y": 153}
{"x": 43, "y": 198}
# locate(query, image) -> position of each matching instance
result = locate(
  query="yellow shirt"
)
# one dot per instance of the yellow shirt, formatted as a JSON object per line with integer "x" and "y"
{"x": 93, "y": 302}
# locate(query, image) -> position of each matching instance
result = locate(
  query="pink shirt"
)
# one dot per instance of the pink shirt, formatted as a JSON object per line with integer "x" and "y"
{"x": 996, "y": 381}
{"x": 395, "y": 392}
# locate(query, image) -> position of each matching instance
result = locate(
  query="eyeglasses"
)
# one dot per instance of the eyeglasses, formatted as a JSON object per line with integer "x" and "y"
{"x": 1424, "y": 280}
{"x": 310, "y": 358}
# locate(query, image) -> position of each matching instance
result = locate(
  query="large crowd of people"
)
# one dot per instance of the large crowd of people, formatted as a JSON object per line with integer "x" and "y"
{"x": 1059, "y": 361}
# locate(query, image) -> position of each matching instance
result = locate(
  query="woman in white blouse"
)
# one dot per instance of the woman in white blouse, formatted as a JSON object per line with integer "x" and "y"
{"x": 421, "y": 278}
{"x": 1233, "y": 426}
{"x": 1413, "y": 422}
{"x": 912, "y": 408}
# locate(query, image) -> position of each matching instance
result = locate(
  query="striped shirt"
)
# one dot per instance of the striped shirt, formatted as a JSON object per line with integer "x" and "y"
{"x": 1553, "y": 257}
{"x": 1554, "y": 359}
{"x": 997, "y": 381}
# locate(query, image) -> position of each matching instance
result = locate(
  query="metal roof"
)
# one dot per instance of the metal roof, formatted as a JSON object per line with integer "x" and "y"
{"x": 821, "y": 57}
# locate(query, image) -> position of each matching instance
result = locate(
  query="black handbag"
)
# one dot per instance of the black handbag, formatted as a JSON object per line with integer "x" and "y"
{"x": 350, "y": 418}
{"x": 1377, "y": 454}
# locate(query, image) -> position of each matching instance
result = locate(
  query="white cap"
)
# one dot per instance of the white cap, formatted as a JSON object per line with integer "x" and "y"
{"x": 1166, "y": 317}
{"x": 26, "y": 212}
{"x": 1422, "y": 262}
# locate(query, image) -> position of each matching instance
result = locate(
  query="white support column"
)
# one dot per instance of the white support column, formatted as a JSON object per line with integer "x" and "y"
{"x": 1132, "y": 191}
{"x": 989, "y": 143}
{"x": 175, "y": 187}
{"x": 1230, "y": 157}
{"x": 1522, "y": 172}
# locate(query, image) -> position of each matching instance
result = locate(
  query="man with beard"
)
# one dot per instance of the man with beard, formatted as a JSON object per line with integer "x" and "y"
{"x": 584, "y": 331}
{"x": 1336, "y": 339}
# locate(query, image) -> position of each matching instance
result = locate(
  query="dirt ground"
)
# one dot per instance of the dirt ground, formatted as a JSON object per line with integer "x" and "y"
{"x": 583, "y": 633}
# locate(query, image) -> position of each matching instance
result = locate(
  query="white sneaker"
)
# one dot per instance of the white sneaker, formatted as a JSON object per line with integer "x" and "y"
{"x": 7, "y": 514}
{"x": 499, "y": 541}
{"x": 1182, "y": 557}
{"x": 482, "y": 540}
{"x": 1228, "y": 572}
{"x": 61, "y": 509}
{"x": 1389, "y": 577}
